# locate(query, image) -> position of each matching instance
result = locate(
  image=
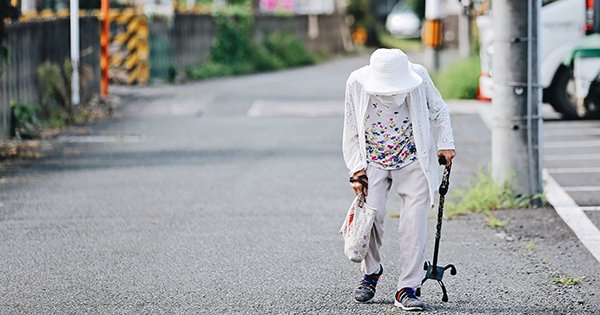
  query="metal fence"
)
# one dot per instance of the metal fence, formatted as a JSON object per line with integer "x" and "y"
{"x": 191, "y": 38}
{"x": 162, "y": 64}
{"x": 185, "y": 44}
{"x": 32, "y": 43}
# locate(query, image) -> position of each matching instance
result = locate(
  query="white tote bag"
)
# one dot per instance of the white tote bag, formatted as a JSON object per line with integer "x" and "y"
{"x": 356, "y": 230}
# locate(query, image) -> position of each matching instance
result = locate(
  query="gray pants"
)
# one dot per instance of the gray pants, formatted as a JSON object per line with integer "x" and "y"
{"x": 411, "y": 185}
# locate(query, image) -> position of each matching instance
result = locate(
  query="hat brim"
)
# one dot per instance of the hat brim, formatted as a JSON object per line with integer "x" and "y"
{"x": 383, "y": 85}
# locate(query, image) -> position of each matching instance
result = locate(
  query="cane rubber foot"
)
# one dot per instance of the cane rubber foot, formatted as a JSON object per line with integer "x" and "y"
{"x": 452, "y": 269}
{"x": 418, "y": 293}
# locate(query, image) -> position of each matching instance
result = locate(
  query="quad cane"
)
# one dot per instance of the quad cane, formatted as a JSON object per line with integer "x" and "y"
{"x": 434, "y": 271}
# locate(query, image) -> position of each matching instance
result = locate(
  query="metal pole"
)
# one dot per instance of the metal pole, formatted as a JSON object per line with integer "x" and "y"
{"x": 529, "y": 96}
{"x": 538, "y": 138}
{"x": 534, "y": 102}
{"x": 75, "y": 51}
{"x": 464, "y": 29}
{"x": 510, "y": 162}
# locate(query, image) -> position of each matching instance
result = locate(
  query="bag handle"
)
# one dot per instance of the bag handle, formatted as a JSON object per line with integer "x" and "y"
{"x": 363, "y": 180}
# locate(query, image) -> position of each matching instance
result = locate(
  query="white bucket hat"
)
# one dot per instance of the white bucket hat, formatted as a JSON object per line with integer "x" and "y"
{"x": 390, "y": 72}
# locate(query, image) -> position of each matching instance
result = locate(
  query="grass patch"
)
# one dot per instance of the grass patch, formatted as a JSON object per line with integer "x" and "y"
{"x": 405, "y": 44}
{"x": 566, "y": 280}
{"x": 495, "y": 222}
{"x": 459, "y": 80}
{"x": 483, "y": 195}
{"x": 288, "y": 49}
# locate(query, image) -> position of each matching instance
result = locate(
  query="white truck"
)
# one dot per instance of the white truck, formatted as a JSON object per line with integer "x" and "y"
{"x": 564, "y": 23}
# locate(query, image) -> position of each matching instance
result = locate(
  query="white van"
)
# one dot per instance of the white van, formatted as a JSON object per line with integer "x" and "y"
{"x": 563, "y": 24}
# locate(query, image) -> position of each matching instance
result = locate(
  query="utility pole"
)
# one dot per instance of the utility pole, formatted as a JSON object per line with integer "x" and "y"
{"x": 75, "y": 51}
{"x": 433, "y": 33}
{"x": 464, "y": 28}
{"x": 104, "y": 45}
{"x": 516, "y": 133}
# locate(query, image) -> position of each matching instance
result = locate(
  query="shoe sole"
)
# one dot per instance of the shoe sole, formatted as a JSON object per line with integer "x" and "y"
{"x": 413, "y": 309}
{"x": 363, "y": 302}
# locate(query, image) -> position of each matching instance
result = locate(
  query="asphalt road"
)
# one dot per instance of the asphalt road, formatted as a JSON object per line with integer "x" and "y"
{"x": 185, "y": 204}
{"x": 572, "y": 156}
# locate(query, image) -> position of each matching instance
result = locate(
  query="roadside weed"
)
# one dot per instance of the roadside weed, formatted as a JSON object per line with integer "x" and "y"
{"x": 483, "y": 195}
{"x": 495, "y": 222}
{"x": 531, "y": 246}
{"x": 566, "y": 280}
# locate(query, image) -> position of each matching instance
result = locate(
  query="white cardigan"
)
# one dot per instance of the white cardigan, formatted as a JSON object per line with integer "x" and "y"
{"x": 428, "y": 113}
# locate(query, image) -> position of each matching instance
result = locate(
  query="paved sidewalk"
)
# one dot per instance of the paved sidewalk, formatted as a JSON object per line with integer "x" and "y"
{"x": 190, "y": 206}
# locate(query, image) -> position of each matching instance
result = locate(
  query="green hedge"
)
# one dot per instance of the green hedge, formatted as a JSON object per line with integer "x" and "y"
{"x": 460, "y": 79}
{"x": 234, "y": 51}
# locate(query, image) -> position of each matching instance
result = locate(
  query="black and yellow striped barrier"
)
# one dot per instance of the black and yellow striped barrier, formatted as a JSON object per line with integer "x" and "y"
{"x": 129, "y": 51}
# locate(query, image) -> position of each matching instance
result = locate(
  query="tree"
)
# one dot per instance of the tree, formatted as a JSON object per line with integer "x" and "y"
{"x": 418, "y": 6}
{"x": 7, "y": 11}
{"x": 362, "y": 13}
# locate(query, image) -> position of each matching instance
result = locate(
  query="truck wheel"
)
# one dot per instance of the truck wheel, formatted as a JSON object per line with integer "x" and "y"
{"x": 562, "y": 93}
{"x": 592, "y": 101}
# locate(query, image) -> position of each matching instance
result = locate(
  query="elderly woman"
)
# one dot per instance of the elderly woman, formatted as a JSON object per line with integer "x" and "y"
{"x": 391, "y": 110}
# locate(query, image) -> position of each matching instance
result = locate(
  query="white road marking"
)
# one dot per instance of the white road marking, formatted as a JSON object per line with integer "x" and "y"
{"x": 100, "y": 139}
{"x": 572, "y": 125}
{"x": 590, "y": 208}
{"x": 571, "y": 157}
{"x": 573, "y": 215}
{"x": 263, "y": 108}
{"x": 572, "y": 144}
{"x": 571, "y": 132}
{"x": 581, "y": 188}
{"x": 574, "y": 170}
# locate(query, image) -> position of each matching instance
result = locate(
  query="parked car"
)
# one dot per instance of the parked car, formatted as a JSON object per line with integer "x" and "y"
{"x": 402, "y": 22}
{"x": 563, "y": 25}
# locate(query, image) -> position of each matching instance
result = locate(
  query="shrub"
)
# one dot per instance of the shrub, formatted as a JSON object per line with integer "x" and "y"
{"x": 53, "y": 86}
{"x": 234, "y": 51}
{"x": 363, "y": 19}
{"x": 417, "y": 6}
{"x": 234, "y": 38}
{"x": 209, "y": 70}
{"x": 460, "y": 79}
{"x": 55, "y": 83}
{"x": 25, "y": 122}
{"x": 289, "y": 49}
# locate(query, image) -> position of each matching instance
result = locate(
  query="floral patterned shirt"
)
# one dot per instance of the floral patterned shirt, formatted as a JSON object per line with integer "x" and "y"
{"x": 389, "y": 135}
